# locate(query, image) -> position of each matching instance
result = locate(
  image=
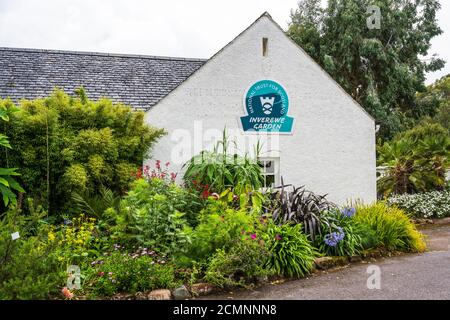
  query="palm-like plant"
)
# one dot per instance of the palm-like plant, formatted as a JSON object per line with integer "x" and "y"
{"x": 95, "y": 204}
{"x": 414, "y": 162}
{"x": 435, "y": 154}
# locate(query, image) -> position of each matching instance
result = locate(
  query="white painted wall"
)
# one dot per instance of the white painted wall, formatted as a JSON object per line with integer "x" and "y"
{"x": 332, "y": 149}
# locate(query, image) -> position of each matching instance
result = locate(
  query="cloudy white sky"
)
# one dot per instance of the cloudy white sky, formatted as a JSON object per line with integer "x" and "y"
{"x": 186, "y": 28}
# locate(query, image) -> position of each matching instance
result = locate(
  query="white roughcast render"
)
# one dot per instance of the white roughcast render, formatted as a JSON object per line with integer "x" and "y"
{"x": 332, "y": 147}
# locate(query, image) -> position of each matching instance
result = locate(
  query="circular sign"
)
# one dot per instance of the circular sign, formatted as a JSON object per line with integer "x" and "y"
{"x": 267, "y": 103}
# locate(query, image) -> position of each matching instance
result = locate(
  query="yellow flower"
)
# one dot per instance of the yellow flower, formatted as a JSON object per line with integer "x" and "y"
{"x": 51, "y": 236}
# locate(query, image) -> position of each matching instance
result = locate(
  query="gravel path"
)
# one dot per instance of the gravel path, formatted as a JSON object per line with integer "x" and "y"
{"x": 415, "y": 276}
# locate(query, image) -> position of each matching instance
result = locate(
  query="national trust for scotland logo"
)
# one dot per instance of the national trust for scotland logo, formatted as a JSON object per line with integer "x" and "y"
{"x": 267, "y": 103}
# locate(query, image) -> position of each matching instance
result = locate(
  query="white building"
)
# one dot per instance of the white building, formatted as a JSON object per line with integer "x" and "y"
{"x": 331, "y": 146}
{"x": 325, "y": 141}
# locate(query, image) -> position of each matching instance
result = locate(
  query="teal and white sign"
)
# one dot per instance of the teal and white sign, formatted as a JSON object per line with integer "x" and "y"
{"x": 267, "y": 105}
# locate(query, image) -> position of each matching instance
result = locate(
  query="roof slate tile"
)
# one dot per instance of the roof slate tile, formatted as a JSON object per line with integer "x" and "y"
{"x": 136, "y": 80}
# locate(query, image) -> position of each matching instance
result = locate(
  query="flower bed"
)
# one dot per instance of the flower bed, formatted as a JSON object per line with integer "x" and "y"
{"x": 163, "y": 240}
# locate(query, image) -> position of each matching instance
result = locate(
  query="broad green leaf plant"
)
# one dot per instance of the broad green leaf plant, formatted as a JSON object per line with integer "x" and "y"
{"x": 8, "y": 185}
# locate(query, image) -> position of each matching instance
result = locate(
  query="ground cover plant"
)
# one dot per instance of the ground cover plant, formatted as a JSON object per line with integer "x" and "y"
{"x": 435, "y": 204}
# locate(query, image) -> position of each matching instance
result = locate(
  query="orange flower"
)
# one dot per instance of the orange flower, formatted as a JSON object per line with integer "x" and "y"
{"x": 66, "y": 292}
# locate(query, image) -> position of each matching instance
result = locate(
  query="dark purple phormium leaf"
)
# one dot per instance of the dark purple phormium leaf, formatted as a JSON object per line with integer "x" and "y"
{"x": 298, "y": 205}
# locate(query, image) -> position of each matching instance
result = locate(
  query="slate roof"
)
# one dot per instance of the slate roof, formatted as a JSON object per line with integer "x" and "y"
{"x": 136, "y": 80}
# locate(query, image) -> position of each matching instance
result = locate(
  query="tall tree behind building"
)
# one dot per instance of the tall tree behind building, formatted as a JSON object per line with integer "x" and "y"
{"x": 383, "y": 68}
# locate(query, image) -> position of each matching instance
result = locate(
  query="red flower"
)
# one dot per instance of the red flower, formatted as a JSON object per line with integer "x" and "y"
{"x": 205, "y": 193}
{"x": 167, "y": 163}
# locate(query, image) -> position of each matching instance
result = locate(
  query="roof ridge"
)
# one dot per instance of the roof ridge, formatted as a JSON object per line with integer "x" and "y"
{"x": 105, "y": 54}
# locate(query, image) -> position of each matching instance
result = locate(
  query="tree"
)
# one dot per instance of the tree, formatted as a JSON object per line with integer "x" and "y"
{"x": 436, "y": 99}
{"x": 66, "y": 145}
{"x": 382, "y": 69}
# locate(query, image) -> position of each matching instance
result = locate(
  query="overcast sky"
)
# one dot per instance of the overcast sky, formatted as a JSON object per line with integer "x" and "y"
{"x": 186, "y": 28}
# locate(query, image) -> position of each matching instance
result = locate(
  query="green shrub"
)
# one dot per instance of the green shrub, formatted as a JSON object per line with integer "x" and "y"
{"x": 28, "y": 269}
{"x": 31, "y": 273}
{"x": 434, "y": 204}
{"x": 186, "y": 200}
{"x": 65, "y": 144}
{"x": 243, "y": 263}
{"x": 343, "y": 236}
{"x": 150, "y": 216}
{"x": 291, "y": 252}
{"x": 123, "y": 272}
{"x": 219, "y": 228}
{"x": 393, "y": 228}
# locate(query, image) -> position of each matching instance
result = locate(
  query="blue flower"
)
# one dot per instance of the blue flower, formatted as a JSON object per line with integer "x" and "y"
{"x": 334, "y": 238}
{"x": 348, "y": 212}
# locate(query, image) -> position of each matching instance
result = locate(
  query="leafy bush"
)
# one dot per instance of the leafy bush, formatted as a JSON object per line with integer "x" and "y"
{"x": 220, "y": 227}
{"x": 415, "y": 161}
{"x": 343, "y": 236}
{"x": 218, "y": 171}
{"x": 292, "y": 254}
{"x": 393, "y": 228}
{"x": 71, "y": 144}
{"x": 434, "y": 204}
{"x": 188, "y": 200}
{"x": 123, "y": 272}
{"x": 8, "y": 185}
{"x": 300, "y": 206}
{"x": 150, "y": 216}
{"x": 242, "y": 263}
